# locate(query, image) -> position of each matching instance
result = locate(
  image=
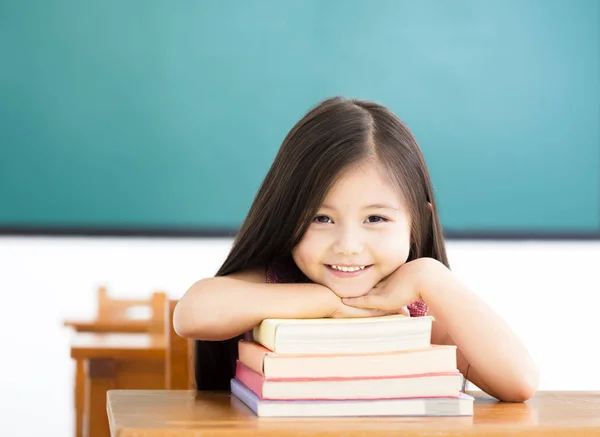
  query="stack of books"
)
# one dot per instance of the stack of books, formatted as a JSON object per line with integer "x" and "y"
{"x": 379, "y": 366}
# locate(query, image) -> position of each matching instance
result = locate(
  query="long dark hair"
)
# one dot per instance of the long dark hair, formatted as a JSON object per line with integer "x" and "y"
{"x": 331, "y": 137}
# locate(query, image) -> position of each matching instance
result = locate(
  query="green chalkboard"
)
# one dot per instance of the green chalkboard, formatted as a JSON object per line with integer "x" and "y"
{"x": 156, "y": 115}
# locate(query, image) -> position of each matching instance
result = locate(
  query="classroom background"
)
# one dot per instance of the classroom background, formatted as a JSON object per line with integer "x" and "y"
{"x": 134, "y": 135}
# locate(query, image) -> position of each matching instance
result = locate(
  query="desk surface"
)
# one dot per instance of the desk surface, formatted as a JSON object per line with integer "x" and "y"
{"x": 127, "y": 326}
{"x": 86, "y": 345}
{"x": 153, "y": 413}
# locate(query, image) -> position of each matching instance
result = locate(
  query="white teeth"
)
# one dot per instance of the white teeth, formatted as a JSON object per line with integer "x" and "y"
{"x": 348, "y": 269}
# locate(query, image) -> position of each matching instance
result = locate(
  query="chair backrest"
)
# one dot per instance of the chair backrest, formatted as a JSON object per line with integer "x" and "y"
{"x": 179, "y": 368}
{"x": 122, "y": 310}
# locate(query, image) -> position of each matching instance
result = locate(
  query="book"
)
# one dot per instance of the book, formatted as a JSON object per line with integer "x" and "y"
{"x": 411, "y": 386}
{"x": 432, "y": 359}
{"x": 344, "y": 336}
{"x": 458, "y": 406}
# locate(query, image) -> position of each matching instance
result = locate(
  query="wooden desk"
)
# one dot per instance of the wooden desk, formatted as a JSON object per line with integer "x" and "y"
{"x": 113, "y": 326}
{"x": 112, "y": 361}
{"x": 182, "y": 413}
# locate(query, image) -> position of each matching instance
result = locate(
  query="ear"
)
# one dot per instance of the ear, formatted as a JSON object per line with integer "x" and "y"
{"x": 430, "y": 206}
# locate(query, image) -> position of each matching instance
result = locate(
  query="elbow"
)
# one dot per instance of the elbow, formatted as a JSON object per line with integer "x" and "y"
{"x": 521, "y": 394}
{"x": 186, "y": 324}
{"x": 530, "y": 385}
{"x": 181, "y": 322}
{"x": 524, "y": 388}
{"x": 189, "y": 320}
{"x": 195, "y": 316}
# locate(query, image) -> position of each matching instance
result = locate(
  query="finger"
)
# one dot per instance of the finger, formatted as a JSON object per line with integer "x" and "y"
{"x": 372, "y": 301}
{"x": 362, "y": 312}
{"x": 404, "y": 310}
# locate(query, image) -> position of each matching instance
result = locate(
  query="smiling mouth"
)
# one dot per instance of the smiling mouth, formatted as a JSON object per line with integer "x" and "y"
{"x": 347, "y": 268}
{"x": 347, "y": 271}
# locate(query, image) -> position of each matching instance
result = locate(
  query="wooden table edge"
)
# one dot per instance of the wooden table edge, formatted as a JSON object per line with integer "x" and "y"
{"x": 489, "y": 430}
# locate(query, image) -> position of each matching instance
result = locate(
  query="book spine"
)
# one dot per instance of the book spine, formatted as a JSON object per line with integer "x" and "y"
{"x": 252, "y": 355}
{"x": 264, "y": 334}
{"x": 249, "y": 378}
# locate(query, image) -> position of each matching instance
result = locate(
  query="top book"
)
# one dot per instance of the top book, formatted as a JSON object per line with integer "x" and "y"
{"x": 344, "y": 336}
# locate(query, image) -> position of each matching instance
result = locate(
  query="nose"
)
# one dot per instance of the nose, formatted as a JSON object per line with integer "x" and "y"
{"x": 348, "y": 241}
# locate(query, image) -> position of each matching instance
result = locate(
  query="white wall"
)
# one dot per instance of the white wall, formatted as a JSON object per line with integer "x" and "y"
{"x": 547, "y": 291}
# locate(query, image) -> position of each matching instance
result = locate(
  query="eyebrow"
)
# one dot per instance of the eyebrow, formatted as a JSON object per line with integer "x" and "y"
{"x": 373, "y": 206}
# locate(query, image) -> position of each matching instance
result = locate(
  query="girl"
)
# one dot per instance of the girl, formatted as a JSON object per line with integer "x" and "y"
{"x": 345, "y": 225}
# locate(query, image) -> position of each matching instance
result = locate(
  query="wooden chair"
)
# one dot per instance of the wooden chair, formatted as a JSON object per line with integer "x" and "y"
{"x": 115, "y": 315}
{"x": 179, "y": 368}
{"x": 119, "y": 310}
{"x": 176, "y": 374}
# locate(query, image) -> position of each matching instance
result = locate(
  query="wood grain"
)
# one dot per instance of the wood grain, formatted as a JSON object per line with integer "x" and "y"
{"x": 183, "y": 413}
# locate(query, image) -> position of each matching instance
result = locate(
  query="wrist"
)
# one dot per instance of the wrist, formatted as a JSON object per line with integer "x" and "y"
{"x": 326, "y": 301}
{"x": 298, "y": 301}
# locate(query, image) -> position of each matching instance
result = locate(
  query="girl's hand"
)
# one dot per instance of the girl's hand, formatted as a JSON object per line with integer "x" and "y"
{"x": 397, "y": 290}
{"x": 345, "y": 311}
{"x": 335, "y": 308}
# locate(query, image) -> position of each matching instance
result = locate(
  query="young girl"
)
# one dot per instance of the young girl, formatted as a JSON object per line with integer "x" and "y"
{"x": 345, "y": 225}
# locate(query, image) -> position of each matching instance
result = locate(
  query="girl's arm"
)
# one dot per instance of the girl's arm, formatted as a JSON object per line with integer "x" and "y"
{"x": 489, "y": 354}
{"x": 223, "y": 307}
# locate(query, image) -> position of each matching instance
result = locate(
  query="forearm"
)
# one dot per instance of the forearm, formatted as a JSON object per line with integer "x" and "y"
{"x": 221, "y": 308}
{"x": 499, "y": 363}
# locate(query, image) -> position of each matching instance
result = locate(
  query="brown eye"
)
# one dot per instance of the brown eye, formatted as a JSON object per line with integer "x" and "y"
{"x": 321, "y": 219}
{"x": 376, "y": 219}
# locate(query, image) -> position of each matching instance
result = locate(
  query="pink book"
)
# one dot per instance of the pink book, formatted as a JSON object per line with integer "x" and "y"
{"x": 432, "y": 359}
{"x": 409, "y": 386}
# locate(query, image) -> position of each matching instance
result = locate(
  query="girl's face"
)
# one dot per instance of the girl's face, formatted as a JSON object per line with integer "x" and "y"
{"x": 360, "y": 235}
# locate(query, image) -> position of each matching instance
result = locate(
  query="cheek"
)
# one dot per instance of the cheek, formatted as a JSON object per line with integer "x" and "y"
{"x": 307, "y": 251}
{"x": 393, "y": 249}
